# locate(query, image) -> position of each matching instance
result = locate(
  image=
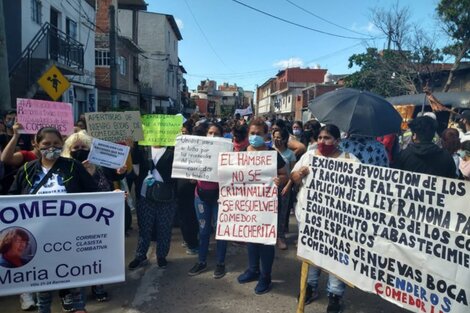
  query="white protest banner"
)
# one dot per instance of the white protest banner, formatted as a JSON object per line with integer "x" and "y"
{"x": 243, "y": 112}
{"x": 248, "y": 197}
{"x": 63, "y": 241}
{"x": 34, "y": 114}
{"x": 115, "y": 126}
{"x": 196, "y": 157}
{"x": 108, "y": 154}
{"x": 402, "y": 235}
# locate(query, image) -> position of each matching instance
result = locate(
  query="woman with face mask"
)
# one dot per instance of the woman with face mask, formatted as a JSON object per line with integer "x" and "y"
{"x": 280, "y": 137}
{"x": 261, "y": 257}
{"x": 207, "y": 207}
{"x": 77, "y": 146}
{"x": 327, "y": 146}
{"x": 297, "y": 128}
{"x": 53, "y": 174}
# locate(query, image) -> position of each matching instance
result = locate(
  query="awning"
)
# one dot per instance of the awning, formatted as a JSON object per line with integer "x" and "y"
{"x": 457, "y": 100}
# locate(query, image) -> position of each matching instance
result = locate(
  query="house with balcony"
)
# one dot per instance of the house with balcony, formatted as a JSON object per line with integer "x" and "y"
{"x": 126, "y": 92}
{"x": 54, "y": 32}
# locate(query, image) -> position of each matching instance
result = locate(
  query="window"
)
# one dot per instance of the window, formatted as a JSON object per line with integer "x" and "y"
{"x": 71, "y": 28}
{"x": 36, "y": 11}
{"x": 122, "y": 66}
{"x": 102, "y": 58}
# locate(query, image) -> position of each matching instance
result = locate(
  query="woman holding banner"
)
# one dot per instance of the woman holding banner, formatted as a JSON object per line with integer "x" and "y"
{"x": 259, "y": 253}
{"x": 77, "y": 146}
{"x": 52, "y": 174}
{"x": 327, "y": 146}
{"x": 206, "y": 206}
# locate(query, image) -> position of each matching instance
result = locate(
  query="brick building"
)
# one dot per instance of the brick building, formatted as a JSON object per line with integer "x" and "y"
{"x": 127, "y": 55}
{"x": 279, "y": 95}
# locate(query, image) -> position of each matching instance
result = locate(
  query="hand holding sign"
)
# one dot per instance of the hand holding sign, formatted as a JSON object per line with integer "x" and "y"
{"x": 248, "y": 197}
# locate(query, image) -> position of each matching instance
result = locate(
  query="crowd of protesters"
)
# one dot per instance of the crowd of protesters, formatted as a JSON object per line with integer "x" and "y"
{"x": 49, "y": 163}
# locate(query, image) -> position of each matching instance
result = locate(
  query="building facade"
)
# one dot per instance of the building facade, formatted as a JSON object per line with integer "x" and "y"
{"x": 161, "y": 74}
{"x": 45, "y": 33}
{"x": 126, "y": 94}
{"x": 279, "y": 95}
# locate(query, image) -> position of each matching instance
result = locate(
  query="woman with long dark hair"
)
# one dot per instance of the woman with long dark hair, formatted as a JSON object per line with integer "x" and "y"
{"x": 327, "y": 146}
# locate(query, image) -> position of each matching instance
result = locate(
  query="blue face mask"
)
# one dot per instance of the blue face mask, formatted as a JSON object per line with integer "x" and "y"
{"x": 256, "y": 141}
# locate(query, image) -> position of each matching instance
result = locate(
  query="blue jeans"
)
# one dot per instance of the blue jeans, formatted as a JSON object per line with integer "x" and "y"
{"x": 258, "y": 252}
{"x": 334, "y": 286}
{"x": 45, "y": 300}
{"x": 206, "y": 214}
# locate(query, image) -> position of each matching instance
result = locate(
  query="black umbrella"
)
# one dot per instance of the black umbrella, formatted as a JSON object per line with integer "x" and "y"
{"x": 356, "y": 112}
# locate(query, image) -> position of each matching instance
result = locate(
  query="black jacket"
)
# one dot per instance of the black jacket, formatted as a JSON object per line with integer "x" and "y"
{"x": 426, "y": 158}
{"x": 76, "y": 178}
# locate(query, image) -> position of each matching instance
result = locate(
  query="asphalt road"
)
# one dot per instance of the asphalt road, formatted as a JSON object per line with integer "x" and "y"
{"x": 171, "y": 290}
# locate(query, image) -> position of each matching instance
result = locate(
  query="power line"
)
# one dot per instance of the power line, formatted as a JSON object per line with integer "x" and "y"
{"x": 239, "y": 75}
{"x": 325, "y": 20}
{"x": 205, "y": 37}
{"x": 296, "y": 24}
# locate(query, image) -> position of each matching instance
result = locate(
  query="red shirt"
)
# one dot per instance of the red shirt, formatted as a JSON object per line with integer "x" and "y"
{"x": 28, "y": 156}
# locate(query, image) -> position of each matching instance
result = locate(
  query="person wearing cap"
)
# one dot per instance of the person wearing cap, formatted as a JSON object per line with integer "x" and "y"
{"x": 464, "y": 124}
{"x": 424, "y": 156}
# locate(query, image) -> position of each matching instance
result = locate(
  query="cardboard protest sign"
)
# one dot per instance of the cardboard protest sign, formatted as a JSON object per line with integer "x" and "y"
{"x": 35, "y": 114}
{"x": 160, "y": 129}
{"x": 115, "y": 126}
{"x": 108, "y": 154}
{"x": 67, "y": 240}
{"x": 197, "y": 157}
{"x": 402, "y": 235}
{"x": 248, "y": 197}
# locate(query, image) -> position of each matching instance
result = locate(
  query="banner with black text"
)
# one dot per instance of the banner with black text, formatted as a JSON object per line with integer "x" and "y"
{"x": 402, "y": 235}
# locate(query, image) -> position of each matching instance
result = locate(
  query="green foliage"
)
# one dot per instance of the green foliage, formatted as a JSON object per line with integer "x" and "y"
{"x": 386, "y": 72}
{"x": 455, "y": 15}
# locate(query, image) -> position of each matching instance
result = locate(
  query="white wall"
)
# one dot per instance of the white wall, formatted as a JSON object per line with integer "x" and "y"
{"x": 157, "y": 39}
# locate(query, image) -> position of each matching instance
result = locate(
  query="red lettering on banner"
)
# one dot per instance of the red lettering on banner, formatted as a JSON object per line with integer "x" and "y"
{"x": 399, "y": 296}
{"x": 225, "y": 159}
{"x": 245, "y": 159}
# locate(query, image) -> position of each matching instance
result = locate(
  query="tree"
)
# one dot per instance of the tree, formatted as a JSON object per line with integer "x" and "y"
{"x": 455, "y": 18}
{"x": 405, "y": 67}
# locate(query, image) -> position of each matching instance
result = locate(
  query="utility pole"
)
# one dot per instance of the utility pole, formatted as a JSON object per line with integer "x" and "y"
{"x": 112, "y": 56}
{"x": 5, "y": 101}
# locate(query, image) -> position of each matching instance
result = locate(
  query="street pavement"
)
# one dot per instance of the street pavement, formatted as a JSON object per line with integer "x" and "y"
{"x": 171, "y": 290}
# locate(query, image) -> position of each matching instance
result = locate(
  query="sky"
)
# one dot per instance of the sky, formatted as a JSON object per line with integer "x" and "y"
{"x": 228, "y": 42}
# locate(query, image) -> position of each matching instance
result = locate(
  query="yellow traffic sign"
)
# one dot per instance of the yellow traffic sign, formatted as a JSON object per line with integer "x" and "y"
{"x": 54, "y": 83}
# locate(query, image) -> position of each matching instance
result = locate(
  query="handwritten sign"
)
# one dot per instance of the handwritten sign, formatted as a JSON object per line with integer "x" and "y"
{"x": 108, "y": 154}
{"x": 197, "y": 157}
{"x": 248, "y": 197}
{"x": 115, "y": 126}
{"x": 402, "y": 235}
{"x": 69, "y": 240}
{"x": 36, "y": 114}
{"x": 160, "y": 129}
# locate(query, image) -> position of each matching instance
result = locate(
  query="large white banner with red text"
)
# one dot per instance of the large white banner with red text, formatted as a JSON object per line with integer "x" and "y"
{"x": 248, "y": 197}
